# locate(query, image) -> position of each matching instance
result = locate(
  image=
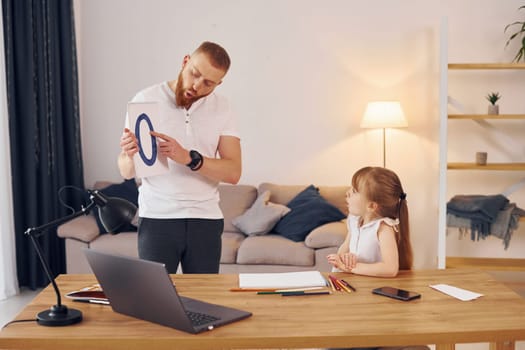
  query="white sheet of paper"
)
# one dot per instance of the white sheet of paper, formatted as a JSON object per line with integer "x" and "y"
{"x": 461, "y": 294}
{"x": 282, "y": 280}
{"x": 143, "y": 117}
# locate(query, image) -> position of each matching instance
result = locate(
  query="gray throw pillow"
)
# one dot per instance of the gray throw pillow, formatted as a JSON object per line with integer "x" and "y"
{"x": 261, "y": 217}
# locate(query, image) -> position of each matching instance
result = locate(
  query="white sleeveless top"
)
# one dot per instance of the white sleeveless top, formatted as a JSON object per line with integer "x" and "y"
{"x": 363, "y": 240}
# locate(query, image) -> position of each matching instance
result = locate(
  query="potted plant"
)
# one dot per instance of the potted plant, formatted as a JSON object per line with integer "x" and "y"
{"x": 493, "y": 97}
{"x": 520, "y": 34}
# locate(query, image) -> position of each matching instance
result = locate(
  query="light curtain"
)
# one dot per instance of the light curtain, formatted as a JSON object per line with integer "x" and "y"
{"x": 8, "y": 280}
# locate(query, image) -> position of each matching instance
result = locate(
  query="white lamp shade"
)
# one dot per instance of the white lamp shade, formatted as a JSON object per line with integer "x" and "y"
{"x": 384, "y": 114}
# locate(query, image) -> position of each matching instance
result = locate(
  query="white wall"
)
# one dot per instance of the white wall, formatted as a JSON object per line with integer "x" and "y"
{"x": 302, "y": 73}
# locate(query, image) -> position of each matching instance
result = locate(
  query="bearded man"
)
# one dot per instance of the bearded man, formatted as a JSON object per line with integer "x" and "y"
{"x": 180, "y": 220}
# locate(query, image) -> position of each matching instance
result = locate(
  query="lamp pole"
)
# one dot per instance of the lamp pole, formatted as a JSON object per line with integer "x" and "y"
{"x": 113, "y": 212}
{"x": 58, "y": 314}
{"x": 384, "y": 148}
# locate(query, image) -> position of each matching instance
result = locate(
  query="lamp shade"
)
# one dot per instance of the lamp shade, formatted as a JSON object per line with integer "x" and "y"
{"x": 114, "y": 212}
{"x": 384, "y": 114}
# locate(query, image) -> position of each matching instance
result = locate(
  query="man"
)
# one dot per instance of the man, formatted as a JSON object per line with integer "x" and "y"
{"x": 179, "y": 215}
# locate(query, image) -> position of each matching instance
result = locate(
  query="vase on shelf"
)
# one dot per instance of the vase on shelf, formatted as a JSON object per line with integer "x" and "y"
{"x": 493, "y": 98}
{"x": 481, "y": 158}
{"x": 493, "y": 109}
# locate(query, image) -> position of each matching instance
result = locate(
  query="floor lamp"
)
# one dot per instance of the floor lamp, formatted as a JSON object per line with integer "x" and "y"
{"x": 384, "y": 114}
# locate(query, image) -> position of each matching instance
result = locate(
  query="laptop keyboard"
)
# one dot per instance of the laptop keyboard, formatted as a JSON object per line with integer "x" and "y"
{"x": 199, "y": 319}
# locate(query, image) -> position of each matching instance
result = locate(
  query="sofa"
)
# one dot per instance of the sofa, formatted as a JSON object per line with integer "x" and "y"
{"x": 241, "y": 252}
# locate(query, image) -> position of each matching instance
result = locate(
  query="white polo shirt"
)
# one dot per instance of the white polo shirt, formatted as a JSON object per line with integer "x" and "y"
{"x": 183, "y": 193}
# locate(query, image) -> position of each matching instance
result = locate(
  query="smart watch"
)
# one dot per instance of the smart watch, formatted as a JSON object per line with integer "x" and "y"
{"x": 196, "y": 160}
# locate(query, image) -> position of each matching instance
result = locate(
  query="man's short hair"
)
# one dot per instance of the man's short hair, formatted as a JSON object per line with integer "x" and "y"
{"x": 217, "y": 54}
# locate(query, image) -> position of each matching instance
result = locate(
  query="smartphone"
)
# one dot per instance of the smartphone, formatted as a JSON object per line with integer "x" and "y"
{"x": 396, "y": 293}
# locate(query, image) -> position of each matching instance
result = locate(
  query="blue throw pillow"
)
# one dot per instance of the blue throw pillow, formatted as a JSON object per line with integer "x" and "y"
{"x": 308, "y": 211}
{"x": 127, "y": 190}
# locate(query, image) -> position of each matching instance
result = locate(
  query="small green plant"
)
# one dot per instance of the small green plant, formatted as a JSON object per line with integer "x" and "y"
{"x": 520, "y": 34}
{"x": 493, "y": 97}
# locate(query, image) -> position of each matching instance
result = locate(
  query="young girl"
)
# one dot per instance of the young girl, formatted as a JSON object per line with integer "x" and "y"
{"x": 378, "y": 242}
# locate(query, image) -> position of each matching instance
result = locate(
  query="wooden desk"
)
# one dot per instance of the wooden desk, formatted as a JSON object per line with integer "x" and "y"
{"x": 359, "y": 319}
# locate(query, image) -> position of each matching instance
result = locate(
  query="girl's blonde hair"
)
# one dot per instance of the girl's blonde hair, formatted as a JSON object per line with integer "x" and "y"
{"x": 382, "y": 186}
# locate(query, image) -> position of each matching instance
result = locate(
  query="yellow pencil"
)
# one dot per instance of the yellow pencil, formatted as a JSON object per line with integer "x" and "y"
{"x": 341, "y": 284}
{"x": 346, "y": 288}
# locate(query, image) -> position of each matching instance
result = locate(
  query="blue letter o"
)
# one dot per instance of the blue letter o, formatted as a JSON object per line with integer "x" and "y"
{"x": 147, "y": 161}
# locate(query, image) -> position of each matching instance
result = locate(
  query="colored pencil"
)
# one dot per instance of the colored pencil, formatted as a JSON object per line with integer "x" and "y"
{"x": 331, "y": 284}
{"x": 348, "y": 285}
{"x": 334, "y": 282}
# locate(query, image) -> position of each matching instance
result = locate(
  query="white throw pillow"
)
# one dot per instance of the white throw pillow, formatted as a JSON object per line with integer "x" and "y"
{"x": 261, "y": 217}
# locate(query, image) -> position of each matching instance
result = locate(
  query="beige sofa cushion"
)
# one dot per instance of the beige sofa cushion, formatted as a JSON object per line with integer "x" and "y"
{"x": 335, "y": 195}
{"x": 331, "y": 234}
{"x": 102, "y": 184}
{"x": 235, "y": 200}
{"x": 231, "y": 241}
{"x": 276, "y": 250}
{"x": 83, "y": 228}
{"x": 124, "y": 243}
{"x": 283, "y": 194}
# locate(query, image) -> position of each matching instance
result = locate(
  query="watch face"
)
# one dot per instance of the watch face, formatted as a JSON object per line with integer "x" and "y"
{"x": 196, "y": 159}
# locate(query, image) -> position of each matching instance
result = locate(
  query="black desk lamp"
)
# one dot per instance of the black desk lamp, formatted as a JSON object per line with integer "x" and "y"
{"x": 113, "y": 212}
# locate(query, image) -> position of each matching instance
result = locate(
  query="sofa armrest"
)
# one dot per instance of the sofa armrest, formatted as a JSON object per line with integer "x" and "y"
{"x": 83, "y": 228}
{"x": 331, "y": 234}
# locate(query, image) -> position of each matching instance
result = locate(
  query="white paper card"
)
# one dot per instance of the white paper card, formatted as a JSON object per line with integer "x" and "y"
{"x": 461, "y": 294}
{"x": 282, "y": 280}
{"x": 143, "y": 117}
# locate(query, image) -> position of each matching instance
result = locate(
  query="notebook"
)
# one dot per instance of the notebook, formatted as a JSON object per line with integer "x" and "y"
{"x": 144, "y": 289}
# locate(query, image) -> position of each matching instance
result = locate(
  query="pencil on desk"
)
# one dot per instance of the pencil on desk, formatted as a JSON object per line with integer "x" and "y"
{"x": 348, "y": 285}
{"x": 334, "y": 282}
{"x": 331, "y": 284}
{"x": 340, "y": 285}
{"x": 345, "y": 288}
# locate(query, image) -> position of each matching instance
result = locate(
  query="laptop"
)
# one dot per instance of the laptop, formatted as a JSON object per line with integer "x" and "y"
{"x": 144, "y": 289}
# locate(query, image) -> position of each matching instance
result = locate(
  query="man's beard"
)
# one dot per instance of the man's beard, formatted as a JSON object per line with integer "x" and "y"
{"x": 180, "y": 99}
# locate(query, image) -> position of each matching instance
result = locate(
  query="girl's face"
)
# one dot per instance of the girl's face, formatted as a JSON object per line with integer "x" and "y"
{"x": 357, "y": 202}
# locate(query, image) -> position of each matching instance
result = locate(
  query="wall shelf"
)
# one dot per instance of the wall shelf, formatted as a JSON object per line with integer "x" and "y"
{"x": 464, "y": 66}
{"x": 488, "y": 166}
{"x": 486, "y": 116}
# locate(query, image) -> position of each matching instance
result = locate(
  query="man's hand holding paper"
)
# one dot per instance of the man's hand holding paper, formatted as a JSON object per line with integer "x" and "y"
{"x": 143, "y": 119}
